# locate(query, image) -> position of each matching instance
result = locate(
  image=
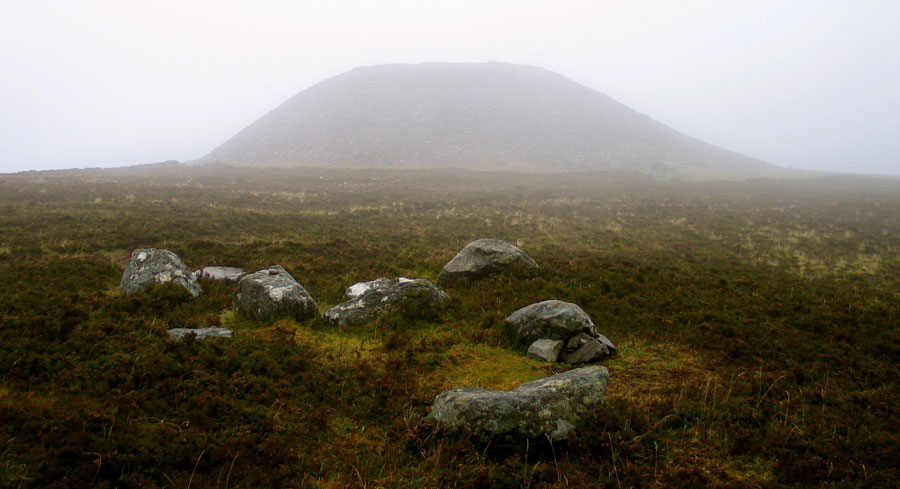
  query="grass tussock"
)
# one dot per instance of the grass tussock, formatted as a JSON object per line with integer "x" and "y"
{"x": 756, "y": 324}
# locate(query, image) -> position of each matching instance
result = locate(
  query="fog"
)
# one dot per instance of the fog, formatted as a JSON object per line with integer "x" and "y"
{"x": 804, "y": 84}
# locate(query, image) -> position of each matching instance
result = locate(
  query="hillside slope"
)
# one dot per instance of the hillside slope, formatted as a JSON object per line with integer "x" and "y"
{"x": 484, "y": 116}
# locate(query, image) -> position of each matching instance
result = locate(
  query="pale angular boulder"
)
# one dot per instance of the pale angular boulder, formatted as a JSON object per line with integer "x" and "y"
{"x": 545, "y": 350}
{"x": 484, "y": 257}
{"x": 156, "y": 266}
{"x": 273, "y": 292}
{"x": 553, "y": 406}
{"x": 367, "y": 300}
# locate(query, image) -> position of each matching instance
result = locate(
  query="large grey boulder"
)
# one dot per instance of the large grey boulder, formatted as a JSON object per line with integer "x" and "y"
{"x": 231, "y": 274}
{"x": 485, "y": 257}
{"x": 272, "y": 293}
{"x": 200, "y": 333}
{"x": 551, "y": 319}
{"x": 154, "y": 266}
{"x": 552, "y": 406}
{"x": 366, "y": 300}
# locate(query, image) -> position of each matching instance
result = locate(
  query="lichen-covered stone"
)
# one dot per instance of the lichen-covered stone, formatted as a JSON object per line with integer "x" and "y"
{"x": 552, "y": 406}
{"x": 200, "y": 333}
{"x": 545, "y": 350}
{"x": 155, "y": 266}
{"x": 271, "y": 293}
{"x": 484, "y": 257}
{"x": 231, "y": 274}
{"x": 367, "y": 300}
{"x": 551, "y": 319}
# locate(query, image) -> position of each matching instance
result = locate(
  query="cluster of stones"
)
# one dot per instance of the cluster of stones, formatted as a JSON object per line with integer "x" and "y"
{"x": 560, "y": 331}
{"x": 556, "y": 330}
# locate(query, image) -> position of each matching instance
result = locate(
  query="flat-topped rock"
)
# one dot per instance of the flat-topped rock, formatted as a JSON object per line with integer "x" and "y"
{"x": 231, "y": 274}
{"x": 551, "y": 319}
{"x": 200, "y": 333}
{"x": 552, "y": 406}
{"x": 156, "y": 266}
{"x": 367, "y": 300}
{"x": 271, "y": 293}
{"x": 484, "y": 257}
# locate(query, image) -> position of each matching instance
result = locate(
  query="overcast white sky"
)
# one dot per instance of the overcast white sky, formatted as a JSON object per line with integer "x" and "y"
{"x": 809, "y": 84}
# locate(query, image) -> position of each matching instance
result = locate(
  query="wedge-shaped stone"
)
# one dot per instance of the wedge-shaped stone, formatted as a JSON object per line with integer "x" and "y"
{"x": 552, "y": 406}
{"x": 484, "y": 257}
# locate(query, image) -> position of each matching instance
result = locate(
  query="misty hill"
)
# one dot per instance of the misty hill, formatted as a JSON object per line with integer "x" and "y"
{"x": 485, "y": 116}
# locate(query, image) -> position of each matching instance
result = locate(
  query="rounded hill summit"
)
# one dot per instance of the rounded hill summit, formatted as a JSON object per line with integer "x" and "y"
{"x": 479, "y": 116}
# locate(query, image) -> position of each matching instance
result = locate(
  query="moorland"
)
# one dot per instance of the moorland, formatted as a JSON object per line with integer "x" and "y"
{"x": 756, "y": 324}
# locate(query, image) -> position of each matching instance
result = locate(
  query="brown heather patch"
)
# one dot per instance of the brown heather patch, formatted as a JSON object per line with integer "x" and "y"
{"x": 756, "y": 323}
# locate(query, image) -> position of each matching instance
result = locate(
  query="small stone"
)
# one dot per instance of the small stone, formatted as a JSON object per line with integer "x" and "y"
{"x": 591, "y": 351}
{"x": 609, "y": 344}
{"x": 577, "y": 341}
{"x": 200, "y": 333}
{"x": 231, "y": 274}
{"x": 545, "y": 350}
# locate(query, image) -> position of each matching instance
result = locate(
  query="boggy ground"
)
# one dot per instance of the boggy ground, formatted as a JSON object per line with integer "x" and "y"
{"x": 757, "y": 325}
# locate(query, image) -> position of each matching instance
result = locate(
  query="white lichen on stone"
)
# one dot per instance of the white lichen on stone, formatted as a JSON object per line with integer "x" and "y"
{"x": 357, "y": 290}
{"x": 277, "y": 293}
